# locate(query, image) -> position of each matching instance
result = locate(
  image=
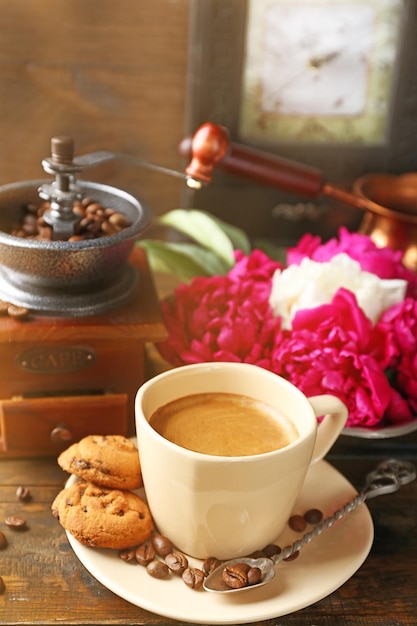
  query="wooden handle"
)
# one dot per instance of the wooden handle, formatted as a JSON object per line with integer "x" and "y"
{"x": 210, "y": 147}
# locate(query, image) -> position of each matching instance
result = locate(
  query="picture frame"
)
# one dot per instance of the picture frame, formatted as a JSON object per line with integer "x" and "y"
{"x": 320, "y": 72}
{"x": 218, "y": 30}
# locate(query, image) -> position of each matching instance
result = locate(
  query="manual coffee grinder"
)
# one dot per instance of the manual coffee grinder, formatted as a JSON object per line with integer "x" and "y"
{"x": 72, "y": 365}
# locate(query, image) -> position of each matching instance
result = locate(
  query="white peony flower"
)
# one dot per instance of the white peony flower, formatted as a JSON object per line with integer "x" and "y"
{"x": 312, "y": 284}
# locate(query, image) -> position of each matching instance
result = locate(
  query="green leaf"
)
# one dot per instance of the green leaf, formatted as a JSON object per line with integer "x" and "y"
{"x": 278, "y": 253}
{"x": 201, "y": 227}
{"x": 237, "y": 236}
{"x": 182, "y": 259}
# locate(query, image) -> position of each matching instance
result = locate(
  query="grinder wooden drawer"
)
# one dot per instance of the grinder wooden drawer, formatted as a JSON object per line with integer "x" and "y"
{"x": 45, "y": 426}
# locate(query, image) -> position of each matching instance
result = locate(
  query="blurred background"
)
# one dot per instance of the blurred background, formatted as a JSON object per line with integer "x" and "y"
{"x": 136, "y": 76}
{"x": 112, "y": 75}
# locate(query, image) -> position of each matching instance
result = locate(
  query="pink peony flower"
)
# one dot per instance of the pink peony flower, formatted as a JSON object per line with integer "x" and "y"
{"x": 401, "y": 321}
{"x": 257, "y": 267}
{"x": 335, "y": 349}
{"x": 331, "y": 348}
{"x": 383, "y": 262}
{"x": 222, "y": 318}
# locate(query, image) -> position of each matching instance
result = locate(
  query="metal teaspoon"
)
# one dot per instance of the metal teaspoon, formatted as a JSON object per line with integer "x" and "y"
{"x": 388, "y": 477}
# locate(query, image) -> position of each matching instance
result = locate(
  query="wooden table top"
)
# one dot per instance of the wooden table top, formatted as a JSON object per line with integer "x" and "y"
{"x": 46, "y": 584}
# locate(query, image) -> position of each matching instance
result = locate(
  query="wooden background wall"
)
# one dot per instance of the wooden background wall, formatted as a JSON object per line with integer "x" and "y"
{"x": 109, "y": 73}
{"x": 119, "y": 75}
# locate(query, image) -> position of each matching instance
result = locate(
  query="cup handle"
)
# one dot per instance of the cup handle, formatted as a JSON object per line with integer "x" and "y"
{"x": 335, "y": 415}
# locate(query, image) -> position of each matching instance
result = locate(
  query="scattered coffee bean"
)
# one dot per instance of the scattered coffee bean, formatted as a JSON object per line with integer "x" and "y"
{"x": 17, "y": 523}
{"x": 271, "y": 550}
{"x": 128, "y": 556}
{"x": 158, "y": 569}
{"x": 176, "y": 562}
{"x": 162, "y": 545}
{"x": 293, "y": 556}
{"x": 2, "y": 586}
{"x": 254, "y": 576}
{"x": 17, "y": 312}
{"x": 313, "y": 516}
{"x": 3, "y": 540}
{"x": 236, "y": 576}
{"x": 210, "y": 564}
{"x": 297, "y": 523}
{"x": 23, "y": 494}
{"x": 193, "y": 577}
{"x": 145, "y": 553}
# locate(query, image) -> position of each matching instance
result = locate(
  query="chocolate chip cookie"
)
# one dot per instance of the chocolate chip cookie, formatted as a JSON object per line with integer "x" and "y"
{"x": 110, "y": 461}
{"x": 103, "y": 518}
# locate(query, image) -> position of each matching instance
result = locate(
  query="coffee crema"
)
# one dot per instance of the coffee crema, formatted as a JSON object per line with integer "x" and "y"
{"x": 223, "y": 424}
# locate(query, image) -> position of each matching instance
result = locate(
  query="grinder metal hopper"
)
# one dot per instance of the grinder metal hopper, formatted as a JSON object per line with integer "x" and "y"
{"x": 64, "y": 277}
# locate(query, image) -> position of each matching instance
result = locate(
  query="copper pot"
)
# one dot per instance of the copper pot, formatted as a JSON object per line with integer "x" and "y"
{"x": 389, "y": 202}
{"x": 391, "y": 214}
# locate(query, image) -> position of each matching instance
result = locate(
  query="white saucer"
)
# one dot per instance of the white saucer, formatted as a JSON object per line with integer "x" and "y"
{"x": 323, "y": 566}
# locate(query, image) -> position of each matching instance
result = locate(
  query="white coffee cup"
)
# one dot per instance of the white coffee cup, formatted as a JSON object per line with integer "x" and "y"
{"x": 229, "y": 506}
